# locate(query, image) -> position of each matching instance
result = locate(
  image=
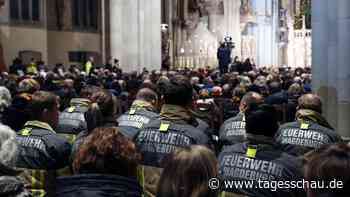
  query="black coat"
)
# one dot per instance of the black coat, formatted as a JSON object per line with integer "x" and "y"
{"x": 224, "y": 56}
{"x": 97, "y": 185}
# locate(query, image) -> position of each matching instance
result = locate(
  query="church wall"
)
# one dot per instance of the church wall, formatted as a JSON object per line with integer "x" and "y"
{"x": 54, "y": 42}
{"x": 60, "y": 43}
{"x": 15, "y": 39}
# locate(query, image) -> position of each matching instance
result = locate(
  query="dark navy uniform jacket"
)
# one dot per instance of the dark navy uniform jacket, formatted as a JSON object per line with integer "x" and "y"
{"x": 134, "y": 120}
{"x": 72, "y": 120}
{"x": 98, "y": 185}
{"x": 298, "y": 138}
{"x": 264, "y": 162}
{"x": 159, "y": 138}
{"x": 233, "y": 130}
{"x": 41, "y": 153}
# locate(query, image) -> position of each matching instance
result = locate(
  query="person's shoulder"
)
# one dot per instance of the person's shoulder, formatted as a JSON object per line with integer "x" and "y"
{"x": 290, "y": 125}
{"x": 234, "y": 148}
{"x": 238, "y": 117}
{"x": 148, "y": 113}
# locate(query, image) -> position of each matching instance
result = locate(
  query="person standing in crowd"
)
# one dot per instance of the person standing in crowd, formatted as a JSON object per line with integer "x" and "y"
{"x": 142, "y": 111}
{"x": 11, "y": 184}
{"x": 17, "y": 67}
{"x": 89, "y": 65}
{"x": 235, "y": 65}
{"x": 189, "y": 169}
{"x": 294, "y": 93}
{"x": 247, "y": 65}
{"x": 233, "y": 130}
{"x": 311, "y": 130}
{"x": 330, "y": 163}
{"x": 175, "y": 128}
{"x": 224, "y": 57}
{"x": 41, "y": 150}
{"x": 259, "y": 159}
{"x": 32, "y": 67}
{"x": 105, "y": 165}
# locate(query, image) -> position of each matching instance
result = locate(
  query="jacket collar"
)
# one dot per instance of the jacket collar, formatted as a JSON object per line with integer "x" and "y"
{"x": 259, "y": 139}
{"x": 176, "y": 113}
{"x": 39, "y": 124}
{"x": 80, "y": 101}
{"x": 139, "y": 104}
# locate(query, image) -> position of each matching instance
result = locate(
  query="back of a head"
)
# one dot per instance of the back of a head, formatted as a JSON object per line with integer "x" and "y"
{"x": 310, "y": 102}
{"x": 18, "y": 112}
{"x": 275, "y": 87}
{"x": 178, "y": 91}
{"x": 42, "y": 101}
{"x": 148, "y": 95}
{"x": 8, "y": 147}
{"x": 105, "y": 102}
{"x": 251, "y": 100}
{"x": 227, "y": 91}
{"x": 239, "y": 93}
{"x": 186, "y": 173}
{"x": 28, "y": 86}
{"x": 327, "y": 164}
{"x": 295, "y": 90}
{"x": 107, "y": 151}
{"x": 262, "y": 121}
{"x": 88, "y": 91}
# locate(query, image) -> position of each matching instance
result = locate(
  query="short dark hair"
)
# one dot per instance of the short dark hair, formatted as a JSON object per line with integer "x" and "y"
{"x": 262, "y": 120}
{"x": 88, "y": 91}
{"x": 252, "y": 100}
{"x": 106, "y": 103}
{"x": 147, "y": 94}
{"x": 311, "y": 102}
{"x": 40, "y": 101}
{"x": 328, "y": 163}
{"x": 275, "y": 87}
{"x": 178, "y": 91}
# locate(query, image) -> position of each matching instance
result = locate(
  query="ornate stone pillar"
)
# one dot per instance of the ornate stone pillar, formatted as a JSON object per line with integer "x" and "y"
{"x": 2, "y": 61}
{"x": 232, "y": 23}
{"x": 330, "y": 64}
{"x": 136, "y": 34}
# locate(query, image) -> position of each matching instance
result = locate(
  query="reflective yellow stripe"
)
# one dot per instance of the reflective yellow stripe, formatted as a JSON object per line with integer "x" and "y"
{"x": 141, "y": 176}
{"x": 71, "y": 109}
{"x": 64, "y": 172}
{"x": 33, "y": 173}
{"x": 38, "y": 183}
{"x": 42, "y": 125}
{"x": 42, "y": 193}
{"x": 26, "y": 132}
{"x": 70, "y": 137}
{"x": 42, "y": 179}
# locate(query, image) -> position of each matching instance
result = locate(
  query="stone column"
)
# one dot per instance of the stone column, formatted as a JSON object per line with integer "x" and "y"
{"x": 2, "y": 59}
{"x": 232, "y": 24}
{"x": 135, "y": 33}
{"x": 330, "y": 60}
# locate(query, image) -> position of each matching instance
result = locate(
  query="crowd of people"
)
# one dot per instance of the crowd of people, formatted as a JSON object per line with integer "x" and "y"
{"x": 67, "y": 132}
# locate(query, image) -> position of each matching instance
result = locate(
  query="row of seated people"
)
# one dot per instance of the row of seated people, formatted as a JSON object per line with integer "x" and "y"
{"x": 87, "y": 151}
